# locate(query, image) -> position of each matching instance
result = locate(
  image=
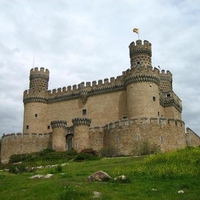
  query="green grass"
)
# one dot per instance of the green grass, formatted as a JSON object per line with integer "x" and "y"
{"x": 152, "y": 177}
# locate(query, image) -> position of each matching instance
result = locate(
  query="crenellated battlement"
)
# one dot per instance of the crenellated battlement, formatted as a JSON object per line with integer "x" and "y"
{"x": 39, "y": 73}
{"x": 140, "y": 47}
{"x": 142, "y": 74}
{"x": 140, "y": 53}
{"x": 81, "y": 121}
{"x": 32, "y": 96}
{"x": 166, "y": 73}
{"x": 84, "y": 90}
{"x": 165, "y": 76}
{"x": 58, "y": 124}
{"x": 15, "y": 136}
{"x": 39, "y": 79}
{"x": 88, "y": 86}
{"x": 137, "y": 74}
{"x": 144, "y": 120}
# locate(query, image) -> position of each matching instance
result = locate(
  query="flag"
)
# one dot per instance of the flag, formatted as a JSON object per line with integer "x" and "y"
{"x": 136, "y": 30}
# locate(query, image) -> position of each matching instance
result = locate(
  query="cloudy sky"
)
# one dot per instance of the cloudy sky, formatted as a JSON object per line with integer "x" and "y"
{"x": 88, "y": 40}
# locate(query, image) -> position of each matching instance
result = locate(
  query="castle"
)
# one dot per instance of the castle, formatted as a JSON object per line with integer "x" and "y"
{"x": 139, "y": 105}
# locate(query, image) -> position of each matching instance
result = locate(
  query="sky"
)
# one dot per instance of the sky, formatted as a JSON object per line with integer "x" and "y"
{"x": 88, "y": 40}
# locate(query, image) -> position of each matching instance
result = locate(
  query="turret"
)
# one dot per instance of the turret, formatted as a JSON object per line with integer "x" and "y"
{"x": 35, "y": 102}
{"x": 58, "y": 135}
{"x": 142, "y": 83}
{"x": 39, "y": 79}
{"x": 81, "y": 133}
{"x": 166, "y": 81}
{"x": 140, "y": 54}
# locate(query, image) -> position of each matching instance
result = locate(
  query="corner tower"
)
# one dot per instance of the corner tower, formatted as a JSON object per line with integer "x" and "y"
{"x": 35, "y": 102}
{"x": 142, "y": 82}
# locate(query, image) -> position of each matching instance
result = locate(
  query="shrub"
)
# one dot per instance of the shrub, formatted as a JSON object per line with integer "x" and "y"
{"x": 145, "y": 148}
{"x": 71, "y": 153}
{"x": 45, "y": 151}
{"x": 84, "y": 156}
{"x": 90, "y": 151}
{"x": 109, "y": 152}
{"x": 47, "y": 156}
{"x": 21, "y": 157}
{"x": 58, "y": 169}
{"x": 18, "y": 169}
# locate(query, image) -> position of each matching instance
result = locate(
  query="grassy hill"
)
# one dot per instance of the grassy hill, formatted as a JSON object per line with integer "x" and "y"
{"x": 174, "y": 175}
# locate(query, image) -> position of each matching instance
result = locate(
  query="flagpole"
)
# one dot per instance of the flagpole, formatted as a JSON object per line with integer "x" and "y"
{"x": 136, "y": 30}
{"x": 33, "y": 61}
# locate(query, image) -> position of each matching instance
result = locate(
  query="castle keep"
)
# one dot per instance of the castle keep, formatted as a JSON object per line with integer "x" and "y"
{"x": 138, "y": 105}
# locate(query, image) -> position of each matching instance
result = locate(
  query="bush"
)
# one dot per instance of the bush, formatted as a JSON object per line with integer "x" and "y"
{"x": 90, "y": 151}
{"x": 21, "y": 157}
{"x": 71, "y": 154}
{"x": 45, "y": 151}
{"x": 109, "y": 152}
{"x": 47, "y": 156}
{"x": 84, "y": 156}
{"x": 58, "y": 169}
{"x": 145, "y": 148}
{"x": 18, "y": 169}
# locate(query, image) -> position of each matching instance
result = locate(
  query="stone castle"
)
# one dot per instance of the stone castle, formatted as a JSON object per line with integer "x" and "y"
{"x": 139, "y": 105}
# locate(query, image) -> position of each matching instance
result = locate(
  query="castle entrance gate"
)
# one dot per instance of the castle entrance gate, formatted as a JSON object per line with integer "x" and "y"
{"x": 69, "y": 141}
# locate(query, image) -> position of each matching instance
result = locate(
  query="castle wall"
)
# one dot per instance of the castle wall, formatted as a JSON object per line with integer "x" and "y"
{"x": 192, "y": 138}
{"x": 23, "y": 143}
{"x": 96, "y": 138}
{"x": 65, "y": 110}
{"x": 124, "y": 135}
{"x": 100, "y": 108}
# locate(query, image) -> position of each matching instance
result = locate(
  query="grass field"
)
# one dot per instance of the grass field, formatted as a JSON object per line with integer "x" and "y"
{"x": 152, "y": 177}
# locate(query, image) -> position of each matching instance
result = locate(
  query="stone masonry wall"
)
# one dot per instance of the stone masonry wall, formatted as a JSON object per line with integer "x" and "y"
{"x": 168, "y": 134}
{"x": 192, "y": 138}
{"x": 100, "y": 108}
{"x": 23, "y": 143}
{"x": 96, "y": 137}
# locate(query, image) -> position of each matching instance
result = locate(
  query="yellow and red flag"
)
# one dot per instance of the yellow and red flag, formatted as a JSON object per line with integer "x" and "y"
{"x": 136, "y": 30}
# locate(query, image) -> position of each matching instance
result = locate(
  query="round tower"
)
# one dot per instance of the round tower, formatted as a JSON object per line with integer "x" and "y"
{"x": 81, "y": 133}
{"x": 58, "y": 135}
{"x": 39, "y": 79}
{"x": 142, "y": 83}
{"x": 140, "y": 53}
{"x": 35, "y": 102}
